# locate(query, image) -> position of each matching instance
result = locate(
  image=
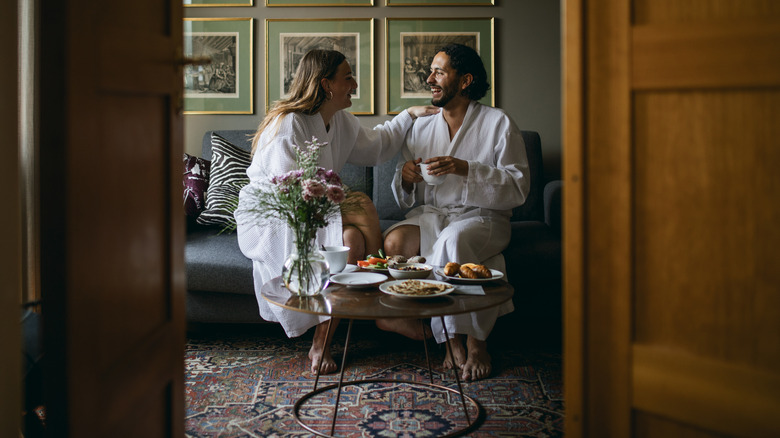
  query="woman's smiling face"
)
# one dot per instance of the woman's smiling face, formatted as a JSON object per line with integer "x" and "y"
{"x": 342, "y": 85}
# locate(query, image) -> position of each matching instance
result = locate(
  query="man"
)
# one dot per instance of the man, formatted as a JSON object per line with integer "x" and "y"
{"x": 465, "y": 219}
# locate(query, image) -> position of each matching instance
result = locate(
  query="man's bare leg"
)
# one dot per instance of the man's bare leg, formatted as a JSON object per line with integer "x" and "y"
{"x": 458, "y": 351}
{"x": 321, "y": 351}
{"x": 403, "y": 240}
{"x": 477, "y": 365}
{"x": 474, "y": 363}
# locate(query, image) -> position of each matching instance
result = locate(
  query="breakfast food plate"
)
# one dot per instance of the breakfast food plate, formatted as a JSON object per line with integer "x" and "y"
{"x": 358, "y": 279}
{"x": 416, "y": 288}
{"x": 497, "y": 275}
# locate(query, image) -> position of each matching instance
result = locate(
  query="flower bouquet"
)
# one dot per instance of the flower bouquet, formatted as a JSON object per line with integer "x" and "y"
{"x": 304, "y": 198}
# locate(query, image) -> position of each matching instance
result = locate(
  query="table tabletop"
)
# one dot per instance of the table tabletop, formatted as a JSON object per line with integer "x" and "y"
{"x": 340, "y": 301}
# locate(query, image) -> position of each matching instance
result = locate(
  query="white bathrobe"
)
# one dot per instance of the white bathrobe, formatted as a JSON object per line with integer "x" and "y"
{"x": 268, "y": 244}
{"x": 466, "y": 219}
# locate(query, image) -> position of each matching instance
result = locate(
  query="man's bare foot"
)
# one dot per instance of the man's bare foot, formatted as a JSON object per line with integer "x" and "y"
{"x": 456, "y": 346}
{"x": 477, "y": 365}
{"x": 320, "y": 349}
{"x": 411, "y": 328}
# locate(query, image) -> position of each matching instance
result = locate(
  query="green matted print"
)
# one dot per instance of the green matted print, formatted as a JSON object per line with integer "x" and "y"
{"x": 319, "y": 2}
{"x": 411, "y": 46}
{"x": 439, "y": 2}
{"x": 224, "y": 86}
{"x": 217, "y": 3}
{"x": 287, "y": 40}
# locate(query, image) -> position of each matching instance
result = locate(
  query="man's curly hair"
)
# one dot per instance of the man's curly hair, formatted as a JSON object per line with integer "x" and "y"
{"x": 466, "y": 60}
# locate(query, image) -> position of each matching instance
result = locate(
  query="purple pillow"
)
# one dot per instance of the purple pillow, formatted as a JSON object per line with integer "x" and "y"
{"x": 196, "y": 181}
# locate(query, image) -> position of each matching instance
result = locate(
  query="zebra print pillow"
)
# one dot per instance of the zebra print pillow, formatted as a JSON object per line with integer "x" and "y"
{"x": 227, "y": 177}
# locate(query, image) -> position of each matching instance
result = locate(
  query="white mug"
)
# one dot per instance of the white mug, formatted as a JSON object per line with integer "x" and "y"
{"x": 431, "y": 179}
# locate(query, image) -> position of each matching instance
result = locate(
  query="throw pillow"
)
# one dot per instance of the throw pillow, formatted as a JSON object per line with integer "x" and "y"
{"x": 227, "y": 177}
{"x": 196, "y": 181}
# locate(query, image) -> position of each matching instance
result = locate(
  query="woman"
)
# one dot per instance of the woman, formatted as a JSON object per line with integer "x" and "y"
{"x": 319, "y": 93}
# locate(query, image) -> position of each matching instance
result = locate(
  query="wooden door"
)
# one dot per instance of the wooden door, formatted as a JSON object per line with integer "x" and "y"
{"x": 671, "y": 158}
{"x": 112, "y": 233}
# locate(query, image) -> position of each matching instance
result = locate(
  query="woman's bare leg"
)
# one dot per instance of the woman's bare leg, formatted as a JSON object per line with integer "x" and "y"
{"x": 354, "y": 239}
{"x": 405, "y": 241}
{"x": 318, "y": 352}
{"x": 411, "y": 328}
{"x": 361, "y": 214}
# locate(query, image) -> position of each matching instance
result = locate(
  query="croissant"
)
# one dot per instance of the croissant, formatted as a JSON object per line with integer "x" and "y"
{"x": 482, "y": 271}
{"x": 467, "y": 272}
{"x": 451, "y": 269}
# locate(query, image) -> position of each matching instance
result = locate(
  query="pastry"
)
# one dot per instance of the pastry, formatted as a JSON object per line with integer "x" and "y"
{"x": 467, "y": 272}
{"x": 482, "y": 271}
{"x": 451, "y": 269}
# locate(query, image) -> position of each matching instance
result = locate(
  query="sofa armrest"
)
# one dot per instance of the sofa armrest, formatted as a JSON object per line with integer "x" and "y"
{"x": 552, "y": 205}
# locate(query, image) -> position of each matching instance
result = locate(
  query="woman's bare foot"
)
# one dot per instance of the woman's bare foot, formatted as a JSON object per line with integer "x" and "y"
{"x": 456, "y": 346}
{"x": 411, "y": 328}
{"x": 477, "y": 365}
{"x": 319, "y": 353}
{"x": 328, "y": 364}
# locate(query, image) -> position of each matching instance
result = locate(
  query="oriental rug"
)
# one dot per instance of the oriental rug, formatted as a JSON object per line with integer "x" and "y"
{"x": 245, "y": 384}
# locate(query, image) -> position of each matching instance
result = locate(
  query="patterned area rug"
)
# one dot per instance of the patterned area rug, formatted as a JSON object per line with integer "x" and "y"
{"x": 245, "y": 385}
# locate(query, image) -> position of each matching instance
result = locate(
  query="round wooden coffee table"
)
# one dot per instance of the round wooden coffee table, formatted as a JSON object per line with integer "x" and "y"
{"x": 370, "y": 303}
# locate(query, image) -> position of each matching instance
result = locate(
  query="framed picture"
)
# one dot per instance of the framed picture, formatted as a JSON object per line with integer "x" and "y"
{"x": 287, "y": 40}
{"x": 223, "y": 86}
{"x": 212, "y": 3}
{"x": 439, "y": 2}
{"x": 411, "y": 46}
{"x": 319, "y": 2}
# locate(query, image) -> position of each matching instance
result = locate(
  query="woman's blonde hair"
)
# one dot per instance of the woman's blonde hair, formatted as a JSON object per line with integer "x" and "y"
{"x": 306, "y": 92}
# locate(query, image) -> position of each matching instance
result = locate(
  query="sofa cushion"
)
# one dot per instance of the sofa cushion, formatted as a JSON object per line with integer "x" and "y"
{"x": 215, "y": 263}
{"x": 195, "y": 182}
{"x": 227, "y": 177}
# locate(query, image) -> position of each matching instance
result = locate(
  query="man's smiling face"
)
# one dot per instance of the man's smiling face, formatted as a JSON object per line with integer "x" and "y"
{"x": 443, "y": 80}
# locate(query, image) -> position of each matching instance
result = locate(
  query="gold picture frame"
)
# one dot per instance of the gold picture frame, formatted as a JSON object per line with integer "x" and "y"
{"x": 287, "y": 40}
{"x": 216, "y": 3}
{"x": 225, "y": 85}
{"x": 274, "y": 3}
{"x": 410, "y": 38}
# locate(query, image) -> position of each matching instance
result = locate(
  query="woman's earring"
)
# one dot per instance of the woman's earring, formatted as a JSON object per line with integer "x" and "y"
{"x": 330, "y": 95}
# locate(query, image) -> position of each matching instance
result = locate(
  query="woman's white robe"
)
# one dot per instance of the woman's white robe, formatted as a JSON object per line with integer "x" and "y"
{"x": 268, "y": 244}
{"x": 466, "y": 219}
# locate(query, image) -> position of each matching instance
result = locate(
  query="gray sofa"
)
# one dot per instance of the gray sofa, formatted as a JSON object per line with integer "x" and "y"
{"x": 219, "y": 277}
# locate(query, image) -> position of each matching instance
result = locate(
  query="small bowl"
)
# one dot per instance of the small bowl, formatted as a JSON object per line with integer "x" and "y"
{"x": 421, "y": 271}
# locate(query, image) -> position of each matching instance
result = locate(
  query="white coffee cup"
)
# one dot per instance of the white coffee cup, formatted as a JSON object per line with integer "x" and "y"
{"x": 431, "y": 179}
{"x": 336, "y": 257}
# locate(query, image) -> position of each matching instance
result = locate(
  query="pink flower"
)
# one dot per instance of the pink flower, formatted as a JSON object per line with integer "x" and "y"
{"x": 336, "y": 194}
{"x": 312, "y": 189}
{"x": 332, "y": 177}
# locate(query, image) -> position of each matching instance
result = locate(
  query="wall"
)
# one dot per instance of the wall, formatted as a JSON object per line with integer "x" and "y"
{"x": 527, "y": 67}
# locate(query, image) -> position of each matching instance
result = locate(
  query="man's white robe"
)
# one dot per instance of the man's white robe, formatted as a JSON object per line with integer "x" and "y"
{"x": 466, "y": 219}
{"x": 269, "y": 243}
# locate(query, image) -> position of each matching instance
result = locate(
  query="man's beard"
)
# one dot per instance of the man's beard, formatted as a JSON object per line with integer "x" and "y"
{"x": 447, "y": 94}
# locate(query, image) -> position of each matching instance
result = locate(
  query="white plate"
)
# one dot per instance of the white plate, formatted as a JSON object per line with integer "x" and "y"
{"x": 375, "y": 269}
{"x": 384, "y": 287}
{"x": 358, "y": 279}
{"x": 497, "y": 275}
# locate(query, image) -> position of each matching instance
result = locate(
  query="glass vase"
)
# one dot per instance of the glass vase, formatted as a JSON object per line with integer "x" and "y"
{"x": 305, "y": 271}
